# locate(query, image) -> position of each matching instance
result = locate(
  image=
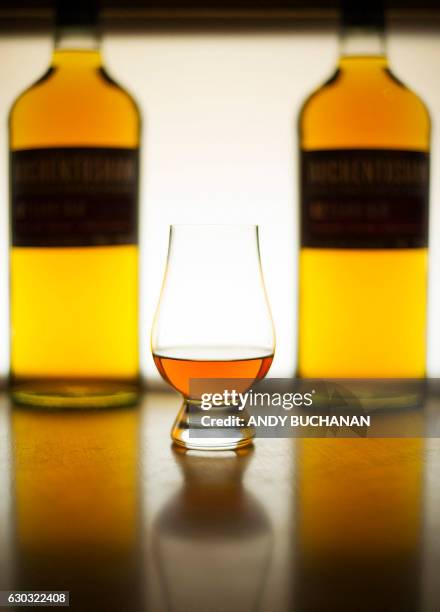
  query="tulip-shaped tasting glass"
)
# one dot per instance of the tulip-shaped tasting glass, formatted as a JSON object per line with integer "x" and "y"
{"x": 213, "y": 321}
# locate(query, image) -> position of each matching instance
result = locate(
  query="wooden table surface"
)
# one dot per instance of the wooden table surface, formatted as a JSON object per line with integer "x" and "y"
{"x": 98, "y": 503}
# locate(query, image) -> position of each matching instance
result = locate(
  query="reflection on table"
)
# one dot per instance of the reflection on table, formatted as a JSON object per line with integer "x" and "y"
{"x": 76, "y": 504}
{"x": 100, "y": 504}
{"x": 358, "y": 520}
{"x": 212, "y": 539}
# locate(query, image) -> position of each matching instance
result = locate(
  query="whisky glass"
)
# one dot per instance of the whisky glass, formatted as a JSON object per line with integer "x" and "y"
{"x": 213, "y": 323}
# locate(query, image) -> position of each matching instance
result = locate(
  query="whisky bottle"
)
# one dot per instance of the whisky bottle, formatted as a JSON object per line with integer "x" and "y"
{"x": 364, "y": 182}
{"x": 74, "y": 149}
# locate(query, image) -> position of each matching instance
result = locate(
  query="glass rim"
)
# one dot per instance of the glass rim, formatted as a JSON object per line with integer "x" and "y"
{"x": 213, "y": 225}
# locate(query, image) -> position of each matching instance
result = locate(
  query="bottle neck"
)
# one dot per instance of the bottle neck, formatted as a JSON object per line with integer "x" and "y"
{"x": 69, "y": 40}
{"x": 362, "y": 42}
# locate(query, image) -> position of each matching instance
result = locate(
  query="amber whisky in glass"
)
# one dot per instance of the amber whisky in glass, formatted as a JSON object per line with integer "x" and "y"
{"x": 74, "y": 156}
{"x": 179, "y": 371}
{"x": 364, "y": 183}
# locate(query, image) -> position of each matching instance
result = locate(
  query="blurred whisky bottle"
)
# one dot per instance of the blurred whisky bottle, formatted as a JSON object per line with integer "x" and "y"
{"x": 364, "y": 141}
{"x": 74, "y": 140}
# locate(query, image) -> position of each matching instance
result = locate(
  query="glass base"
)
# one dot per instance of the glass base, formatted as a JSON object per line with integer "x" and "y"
{"x": 75, "y": 394}
{"x": 192, "y": 431}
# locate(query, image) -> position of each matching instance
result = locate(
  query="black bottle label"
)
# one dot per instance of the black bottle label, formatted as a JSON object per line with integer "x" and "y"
{"x": 364, "y": 198}
{"x": 68, "y": 197}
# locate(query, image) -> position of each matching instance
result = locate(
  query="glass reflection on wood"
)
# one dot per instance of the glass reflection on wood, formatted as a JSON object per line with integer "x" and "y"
{"x": 213, "y": 539}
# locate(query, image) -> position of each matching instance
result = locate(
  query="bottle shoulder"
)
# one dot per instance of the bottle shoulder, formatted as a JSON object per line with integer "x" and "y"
{"x": 384, "y": 90}
{"x": 119, "y": 90}
{"x": 28, "y": 93}
{"x": 417, "y": 102}
{"x": 90, "y": 90}
{"x": 364, "y": 108}
{"x": 74, "y": 106}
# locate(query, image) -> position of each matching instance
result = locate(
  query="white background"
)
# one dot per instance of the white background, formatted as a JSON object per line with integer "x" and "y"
{"x": 219, "y": 146}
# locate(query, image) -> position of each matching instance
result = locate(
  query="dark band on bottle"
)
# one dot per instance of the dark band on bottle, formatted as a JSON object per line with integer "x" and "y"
{"x": 74, "y": 197}
{"x": 364, "y": 198}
